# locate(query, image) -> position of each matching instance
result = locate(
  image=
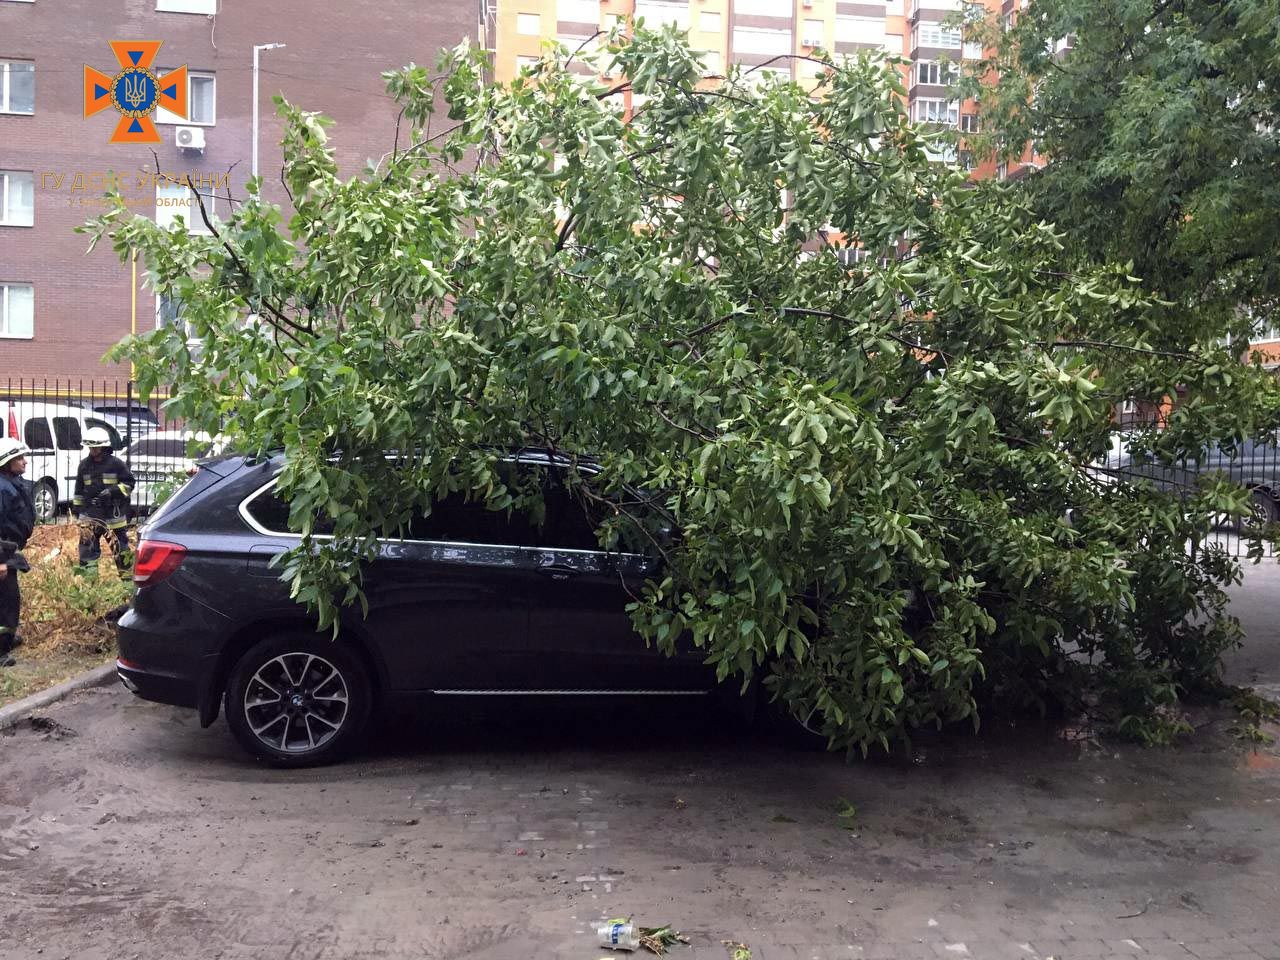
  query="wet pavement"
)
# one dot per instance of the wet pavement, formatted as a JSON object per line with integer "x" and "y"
{"x": 507, "y": 831}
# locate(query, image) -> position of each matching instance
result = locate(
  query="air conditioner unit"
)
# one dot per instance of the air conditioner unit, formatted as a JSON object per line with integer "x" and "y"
{"x": 807, "y": 4}
{"x": 189, "y": 138}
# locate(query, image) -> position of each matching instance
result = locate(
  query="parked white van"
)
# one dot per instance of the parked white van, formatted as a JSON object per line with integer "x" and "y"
{"x": 53, "y": 431}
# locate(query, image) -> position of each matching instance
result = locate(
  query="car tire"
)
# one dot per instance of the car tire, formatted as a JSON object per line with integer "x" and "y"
{"x": 45, "y": 498}
{"x": 1264, "y": 507}
{"x": 323, "y": 699}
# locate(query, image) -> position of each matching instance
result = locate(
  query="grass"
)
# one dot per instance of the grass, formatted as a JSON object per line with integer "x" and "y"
{"x": 63, "y": 614}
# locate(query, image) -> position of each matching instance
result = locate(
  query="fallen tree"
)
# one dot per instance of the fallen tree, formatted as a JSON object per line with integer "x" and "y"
{"x": 868, "y": 392}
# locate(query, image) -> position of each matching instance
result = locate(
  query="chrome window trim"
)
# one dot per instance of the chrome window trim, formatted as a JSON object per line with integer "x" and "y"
{"x": 254, "y": 525}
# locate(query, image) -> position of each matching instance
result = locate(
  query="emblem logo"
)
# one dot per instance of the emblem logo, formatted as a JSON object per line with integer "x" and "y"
{"x": 135, "y": 91}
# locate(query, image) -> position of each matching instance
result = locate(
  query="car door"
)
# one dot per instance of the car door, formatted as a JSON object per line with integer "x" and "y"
{"x": 581, "y": 635}
{"x": 447, "y": 604}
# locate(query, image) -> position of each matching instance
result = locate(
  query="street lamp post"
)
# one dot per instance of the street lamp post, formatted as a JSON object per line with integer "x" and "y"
{"x": 256, "y": 50}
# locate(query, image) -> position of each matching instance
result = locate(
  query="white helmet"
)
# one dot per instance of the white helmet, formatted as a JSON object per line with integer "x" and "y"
{"x": 97, "y": 437}
{"x": 11, "y": 449}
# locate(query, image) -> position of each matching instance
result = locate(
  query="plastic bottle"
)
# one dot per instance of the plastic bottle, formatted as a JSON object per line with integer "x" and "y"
{"x": 619, "y": 935}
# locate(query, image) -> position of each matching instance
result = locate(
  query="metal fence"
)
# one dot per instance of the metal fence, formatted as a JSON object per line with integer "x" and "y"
{"x": 1253, "y": 465}
{"x": 52, "y": 418}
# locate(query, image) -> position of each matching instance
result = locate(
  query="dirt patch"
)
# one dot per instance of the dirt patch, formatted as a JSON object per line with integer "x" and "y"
{"x": 68, "y": 617}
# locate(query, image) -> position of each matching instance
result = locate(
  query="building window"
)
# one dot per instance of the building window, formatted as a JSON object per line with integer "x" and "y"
{"x": 935, "y": 111}
{"x": 710, "y": 22}
{"x": 1002, "y": 170}
{"x": 174, "y": 200}
{"x": 660, "y": 13}
{"x": 860, "y": 30}
{"x": 17, "y": 86}
{"x": 201, "y": 101}
{"x": 930, "y": 34}
{"x": 969, "y": 123}
{"x": 527, "y": 63}
{"x": 17, "y": 310}
{"x": 529, "y": 24}
{"x": 931, "y": 71}
{"x": 811, "y": 32}
{"x": 893, "y": 8}
{"x": 713, "y": 61}
{"x": 760, "y": 41}
{"x": 578, "y": 11}
{"x": 207, "y": 7}
{"x": 967, "y": 162}
{"x": 17, "y": 198}
{"x": 893, "y": 44}
{"x": 782, "y": 9}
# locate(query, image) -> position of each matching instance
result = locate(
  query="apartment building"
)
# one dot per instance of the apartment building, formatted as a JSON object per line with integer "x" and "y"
{"x": 60, "y": 308}
{"x": 760, "y": 34}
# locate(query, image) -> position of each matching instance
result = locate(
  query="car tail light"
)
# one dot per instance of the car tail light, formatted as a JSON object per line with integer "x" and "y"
{"x": 156, "y": 560}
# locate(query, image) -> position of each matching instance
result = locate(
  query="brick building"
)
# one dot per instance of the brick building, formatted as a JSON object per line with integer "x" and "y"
{"x": 60, "y": 309}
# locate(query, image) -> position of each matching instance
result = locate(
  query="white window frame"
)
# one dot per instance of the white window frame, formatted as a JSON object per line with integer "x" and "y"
{"x": 893, "y": 44}
{"x": 164, "y": 116}
{"x": 860, "y": 30}
{"x": 6, "y": 332}
{"x": 206, "y": 8}
{"x": 969, "y": 123}
{"x": 710, "y": 21}
{"x": 772, "y": 42}
{"x": 5, "y": 180}
{"x": 945, "y": 112}
{"x": 659, "y": 13}
{"x": 713, "y": 60}
{"x": 935, "y": 73}
{"x": 930, "y": 33}
{"x": 782, "y": 9}
{"x": 4, "y": 89}
{"x": 578, "y": 11}
{"x": 190, "y": 213}
{"x": 526, "y": 62}
{"x": 523, "y": 21}
{"x": 893, "y": 8}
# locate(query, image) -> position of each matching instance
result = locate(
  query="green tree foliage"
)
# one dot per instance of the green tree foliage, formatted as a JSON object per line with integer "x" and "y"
{"x": 1161, "y": 122}
{"x": 870, "y": 460}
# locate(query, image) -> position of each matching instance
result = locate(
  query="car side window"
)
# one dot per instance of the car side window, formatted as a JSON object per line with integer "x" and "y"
{"x": 572, "y": 517}
{"x": 36, "y": 434}
{"x": 66, "y": 431}
{"x": 272, "y": 514}
{"x": 116, "y": 442}
{"x": 454, "y": 519}
{"x": 143, "y": 448}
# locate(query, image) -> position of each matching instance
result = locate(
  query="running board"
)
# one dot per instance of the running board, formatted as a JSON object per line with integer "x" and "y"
{"x": 572, "y": 693}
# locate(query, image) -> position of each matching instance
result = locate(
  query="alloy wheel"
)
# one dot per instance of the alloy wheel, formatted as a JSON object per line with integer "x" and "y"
{"x": 296, "y": 702}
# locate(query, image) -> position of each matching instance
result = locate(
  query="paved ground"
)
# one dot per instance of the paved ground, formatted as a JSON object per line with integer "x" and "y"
{"x": 126, "y": 831}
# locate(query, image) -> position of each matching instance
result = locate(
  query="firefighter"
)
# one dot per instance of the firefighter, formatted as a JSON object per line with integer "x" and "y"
{"x": 17, "y": 520}
{"x": 101, "y": 497}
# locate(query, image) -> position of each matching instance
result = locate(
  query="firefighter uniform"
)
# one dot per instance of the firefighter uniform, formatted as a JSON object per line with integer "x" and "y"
{"x": 102, "y": 496}
{"x": 17, "y": 520}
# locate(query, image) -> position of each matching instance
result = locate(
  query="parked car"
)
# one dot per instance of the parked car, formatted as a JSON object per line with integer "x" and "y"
{"x": 161, "y": 460}
{"x": 131, "y": 420}
{"x": 470, "y": 602}
{"x": 53, "y": 431}
{"x": 1254, "y": 464}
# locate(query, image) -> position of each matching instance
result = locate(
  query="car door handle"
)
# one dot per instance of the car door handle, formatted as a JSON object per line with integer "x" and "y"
{"x": 558, "y": 571}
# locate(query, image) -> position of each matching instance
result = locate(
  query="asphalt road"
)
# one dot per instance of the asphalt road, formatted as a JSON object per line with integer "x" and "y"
{"x": 507, "y": 831}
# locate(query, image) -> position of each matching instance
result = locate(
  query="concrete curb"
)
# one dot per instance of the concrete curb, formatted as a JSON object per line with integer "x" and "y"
{"x": 23, "y": 708}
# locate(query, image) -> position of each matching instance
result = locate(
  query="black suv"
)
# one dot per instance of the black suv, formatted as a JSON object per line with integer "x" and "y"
{"x": 471, "y": 602}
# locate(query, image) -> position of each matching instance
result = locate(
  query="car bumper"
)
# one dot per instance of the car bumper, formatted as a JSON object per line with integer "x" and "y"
{"x": 161, "y": 665}
{"x": 162, "y": 688}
